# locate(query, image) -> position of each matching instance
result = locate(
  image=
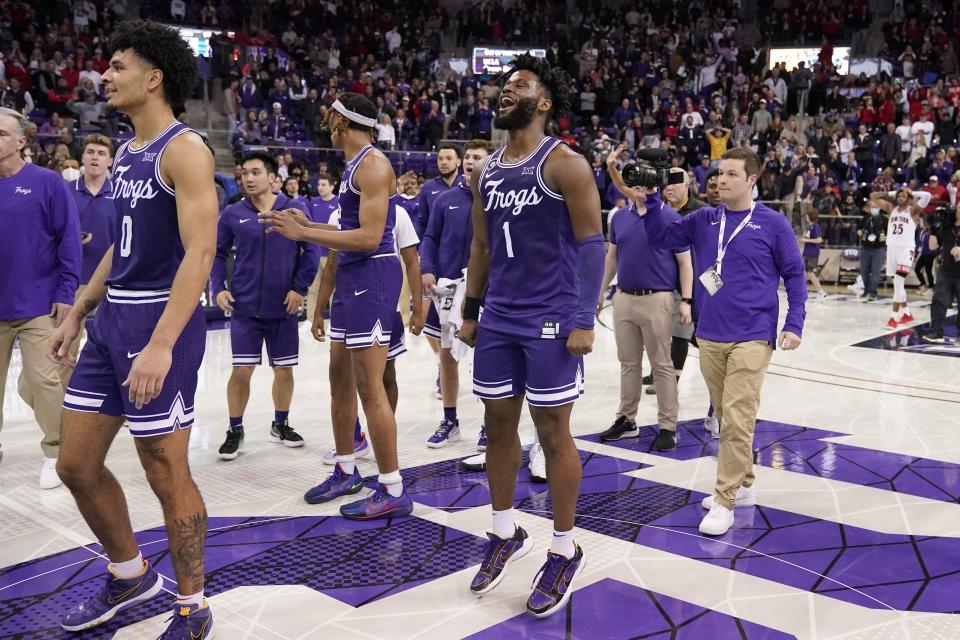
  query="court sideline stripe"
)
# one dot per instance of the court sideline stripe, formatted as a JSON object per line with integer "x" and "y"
{"x": 850, "y": 386}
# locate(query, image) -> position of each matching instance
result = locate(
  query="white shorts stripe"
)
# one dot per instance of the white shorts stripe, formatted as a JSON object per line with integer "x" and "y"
{"x": 166, "y": 421}
{"x": 86, "y": 393}
{"x": 572, "y": 394}
{"x": 81, "y": 401}
{"x": 481, "y": 390}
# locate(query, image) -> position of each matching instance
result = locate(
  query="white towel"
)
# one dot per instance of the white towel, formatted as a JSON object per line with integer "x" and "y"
{"x": 448, "y": 298}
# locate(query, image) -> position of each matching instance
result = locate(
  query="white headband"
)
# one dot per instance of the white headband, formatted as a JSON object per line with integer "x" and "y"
{"x": 353, "y": 115}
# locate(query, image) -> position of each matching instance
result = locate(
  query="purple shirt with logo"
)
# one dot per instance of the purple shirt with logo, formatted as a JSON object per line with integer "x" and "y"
{"x": 534, "y": 282}
{"x": 429, "y": 192}
{"x": 40, "y": 231}
{"x": 747, "y": 306}
{"x": 148, "y": 249}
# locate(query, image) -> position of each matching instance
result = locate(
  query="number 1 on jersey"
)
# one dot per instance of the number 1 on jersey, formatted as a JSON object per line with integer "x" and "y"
{"x": 126, "y": 236}
{"x": 506, "y": 235}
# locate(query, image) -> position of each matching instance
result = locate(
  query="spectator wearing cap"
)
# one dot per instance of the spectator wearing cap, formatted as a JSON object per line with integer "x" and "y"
{"x": 938, "y": 195}
{"x": 761, "y": 117}
{"x": 276, "y": 125}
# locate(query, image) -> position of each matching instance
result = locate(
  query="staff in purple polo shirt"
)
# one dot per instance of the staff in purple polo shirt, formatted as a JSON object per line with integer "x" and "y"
{"x": 93, "y": 193}
{"x": 39, "y": 274}
{"x": 741, "y": 249}
{"x": 643, "y": 308}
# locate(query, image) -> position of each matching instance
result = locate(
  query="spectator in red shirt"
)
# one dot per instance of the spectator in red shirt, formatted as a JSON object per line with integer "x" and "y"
{"x": 868, "y": 114}
{"x": 70, "y": 73}
{"x": 59, "y": 97}
{"x": 887, "y": 112}
{"x": 938, "y": 195}
{"x": 99, "y": 62}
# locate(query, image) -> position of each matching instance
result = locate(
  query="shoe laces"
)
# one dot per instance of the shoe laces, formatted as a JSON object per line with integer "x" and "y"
{"x": 178, "y": 622}
{"x": 445, "y": 428}
{"x": 550, "y": 570}
{"x": 286, "y": 431}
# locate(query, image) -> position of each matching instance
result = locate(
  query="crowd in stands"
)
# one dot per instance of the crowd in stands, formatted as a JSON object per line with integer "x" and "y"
{"x": 683, "y": 76}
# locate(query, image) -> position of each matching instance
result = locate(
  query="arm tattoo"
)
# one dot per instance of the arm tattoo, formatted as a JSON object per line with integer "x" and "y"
{"x": 187, "y": 536}
{"x": 88, "y": 306}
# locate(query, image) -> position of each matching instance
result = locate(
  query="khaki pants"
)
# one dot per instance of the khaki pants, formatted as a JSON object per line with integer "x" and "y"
{"x": 39, "y": 383}
{"x": 734, "y": 374}
{"x": 66, "y": 372}
{"x": 638, "y": 322}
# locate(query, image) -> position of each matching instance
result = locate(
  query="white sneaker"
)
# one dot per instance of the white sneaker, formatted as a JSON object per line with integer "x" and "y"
{"x": 48, "y": 474}
{"x": 537, "y": 464}
{"x": 475, "y": 463}
{"x": 712, "y": 425}
{"x": 746, "y": 497}
{"x": 717, "y": 522}
{"x": 821, "y": 296}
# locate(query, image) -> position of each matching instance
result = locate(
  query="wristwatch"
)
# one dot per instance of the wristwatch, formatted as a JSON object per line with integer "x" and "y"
{"x": 687, "y": 300}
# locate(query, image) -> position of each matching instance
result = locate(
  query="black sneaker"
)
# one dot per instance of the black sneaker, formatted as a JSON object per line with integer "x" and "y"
{"x": 936, "y": 337}
{"x": 621, "y": 428}
{"x": 666, "y": 440}
{"x": 647, "y": 379}
{"x": 231, "y": 446}
{"x": 285, "y": 434}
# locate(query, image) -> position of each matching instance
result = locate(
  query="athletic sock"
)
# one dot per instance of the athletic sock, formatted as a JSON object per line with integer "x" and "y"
{"x": 347, "y": 463}
{"x": 357, "y": 432}
{"x": 236, "y": 423}
{"x": 129, "y": 569}
{"x": 563, "y": 544}
{"x": 280, "y": 417}
{"x": 196, "y": 598}
{"x": 393, "y": 482}
{"x": 503, "y": 524}
{"x": 450, "y": 414}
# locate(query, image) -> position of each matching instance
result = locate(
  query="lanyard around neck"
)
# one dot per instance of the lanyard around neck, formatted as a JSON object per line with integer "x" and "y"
{"x": 721, "y": 247}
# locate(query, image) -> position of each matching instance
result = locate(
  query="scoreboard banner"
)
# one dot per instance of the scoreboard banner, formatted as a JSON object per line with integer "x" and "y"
{"x": 490, "y": 61}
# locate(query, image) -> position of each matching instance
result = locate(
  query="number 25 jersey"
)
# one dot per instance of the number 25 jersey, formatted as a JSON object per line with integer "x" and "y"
{"x": 901, "y": 229}
{"x": 534, "y": 283}
{"x": 148, "y": 250}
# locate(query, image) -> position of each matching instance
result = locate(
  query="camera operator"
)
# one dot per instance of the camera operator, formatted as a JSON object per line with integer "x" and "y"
{"x": 873, "y": 247}
{"x": 643, "y": 307}
{"x": 946, "y": 231}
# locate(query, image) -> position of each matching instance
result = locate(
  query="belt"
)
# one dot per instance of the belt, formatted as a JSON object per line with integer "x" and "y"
{"x": 645, "y": 292}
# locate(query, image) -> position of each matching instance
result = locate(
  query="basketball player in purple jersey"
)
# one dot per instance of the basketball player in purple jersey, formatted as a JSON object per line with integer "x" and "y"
{"x": 367, "y": 289}
{"x": 537, "y": 259}
{"x": 148, "y": 338}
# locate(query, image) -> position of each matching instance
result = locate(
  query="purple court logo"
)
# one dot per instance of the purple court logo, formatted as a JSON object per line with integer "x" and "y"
{"x": 843, "y": 562}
